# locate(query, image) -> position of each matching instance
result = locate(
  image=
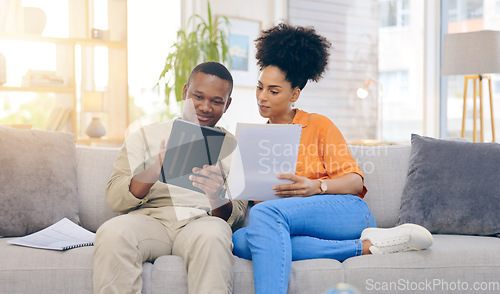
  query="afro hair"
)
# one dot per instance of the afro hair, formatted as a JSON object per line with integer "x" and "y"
{"x": 298, "y": 51}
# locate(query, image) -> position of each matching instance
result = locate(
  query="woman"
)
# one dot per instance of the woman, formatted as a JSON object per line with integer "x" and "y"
{"x": 322, "y": 214}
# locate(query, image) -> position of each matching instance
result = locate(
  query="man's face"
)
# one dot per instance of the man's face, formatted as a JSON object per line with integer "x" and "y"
{"x": 206, "y": 98}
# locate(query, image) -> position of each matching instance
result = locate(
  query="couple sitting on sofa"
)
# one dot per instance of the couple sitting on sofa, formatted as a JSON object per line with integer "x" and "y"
{"x": 321, "y": 215}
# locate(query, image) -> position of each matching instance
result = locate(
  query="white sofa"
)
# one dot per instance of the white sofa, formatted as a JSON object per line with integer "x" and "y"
{"x": 454, "y": 262}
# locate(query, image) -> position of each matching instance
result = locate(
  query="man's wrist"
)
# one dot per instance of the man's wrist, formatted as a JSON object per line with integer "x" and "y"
{"x": 216, "y": 204}
{"x": 217, "y": 201}
{"x": 220, "y": 194}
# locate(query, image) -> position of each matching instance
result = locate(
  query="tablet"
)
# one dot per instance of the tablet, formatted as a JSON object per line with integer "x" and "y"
{"x": 189, "y": 145}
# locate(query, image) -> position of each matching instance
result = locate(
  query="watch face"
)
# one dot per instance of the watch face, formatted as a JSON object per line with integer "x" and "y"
{"x": 323, "y": 186}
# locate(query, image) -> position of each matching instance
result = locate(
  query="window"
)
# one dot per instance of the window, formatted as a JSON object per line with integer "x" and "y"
{"x": 396, "y": 89}
{"x": 400, "y": 70}
{"x": 401, "y": 111}
{"x": 394, "y": 13}
{"x": 152, "y": 28}
{"x": 462, "y": 10}
{"x": 467, "y": 16}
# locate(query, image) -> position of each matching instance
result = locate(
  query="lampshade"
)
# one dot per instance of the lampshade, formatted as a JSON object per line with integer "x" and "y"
{"x": 93, "y": 101}
{"x": 471, "y": 53}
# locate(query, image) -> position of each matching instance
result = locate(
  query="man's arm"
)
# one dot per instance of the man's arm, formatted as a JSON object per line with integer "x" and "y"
{"x": 142, "y": 183}
{"x": 118, "y": 192}
{"x": 139, "y": 187}
{"x": 132, "y": 176}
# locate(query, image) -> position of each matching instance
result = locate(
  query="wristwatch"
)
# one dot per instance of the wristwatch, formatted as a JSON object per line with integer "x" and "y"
{"x": 222, "y": 193}
{"x": 322, "y": 186}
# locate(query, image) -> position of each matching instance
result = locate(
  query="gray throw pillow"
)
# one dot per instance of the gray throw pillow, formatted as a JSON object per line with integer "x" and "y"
{"x": 453, "y": 187}
{"x": 38, "y": 182}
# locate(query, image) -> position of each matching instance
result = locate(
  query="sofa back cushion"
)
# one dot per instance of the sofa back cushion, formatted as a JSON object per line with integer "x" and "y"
{"x": 95, "y": 166}
{"x": 453, "y": 187}
{"x": 385, "y": 169}
{"x": 38, "y": 181}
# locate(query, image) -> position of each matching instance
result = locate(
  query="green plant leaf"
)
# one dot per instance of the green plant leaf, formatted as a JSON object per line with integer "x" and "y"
{"x": 207, "y": 42}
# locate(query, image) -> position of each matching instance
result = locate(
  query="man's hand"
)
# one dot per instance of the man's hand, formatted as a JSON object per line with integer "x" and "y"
{"x": 210, "y": 180}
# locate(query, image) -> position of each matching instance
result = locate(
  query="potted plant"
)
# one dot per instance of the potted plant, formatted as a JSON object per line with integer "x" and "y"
{"x": 207, "y": 42}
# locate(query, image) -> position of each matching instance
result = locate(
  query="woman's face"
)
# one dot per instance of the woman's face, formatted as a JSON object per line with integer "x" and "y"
{"x": 275, "y": 95}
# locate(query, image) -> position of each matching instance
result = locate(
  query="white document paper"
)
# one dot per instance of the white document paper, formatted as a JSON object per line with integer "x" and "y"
{"x": 62, "y": 235}
{"x": 263, "y": 152}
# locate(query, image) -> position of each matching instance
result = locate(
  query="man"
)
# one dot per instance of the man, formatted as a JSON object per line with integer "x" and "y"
{"x": 160, "y": 219}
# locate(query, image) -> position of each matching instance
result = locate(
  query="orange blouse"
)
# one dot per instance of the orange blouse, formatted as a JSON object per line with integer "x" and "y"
{"x": 323, "y": 151}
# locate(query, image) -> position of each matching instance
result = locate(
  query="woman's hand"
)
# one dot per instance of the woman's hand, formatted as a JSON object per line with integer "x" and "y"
{"x": 301, "y": 186}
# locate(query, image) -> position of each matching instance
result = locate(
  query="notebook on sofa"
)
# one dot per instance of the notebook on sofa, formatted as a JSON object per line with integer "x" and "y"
{"x": 62, "y": 235}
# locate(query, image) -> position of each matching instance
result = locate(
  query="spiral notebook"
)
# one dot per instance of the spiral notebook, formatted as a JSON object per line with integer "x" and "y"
{"x": 62, "y": 235}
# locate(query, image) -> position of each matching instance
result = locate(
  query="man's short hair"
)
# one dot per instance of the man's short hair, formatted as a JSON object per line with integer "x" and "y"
{"x": 215, "y": 69}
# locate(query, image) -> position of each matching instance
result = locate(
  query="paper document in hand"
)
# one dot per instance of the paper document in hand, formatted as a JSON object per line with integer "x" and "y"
{"x": 263, "y": 152}
{"x": 62, "y": 235}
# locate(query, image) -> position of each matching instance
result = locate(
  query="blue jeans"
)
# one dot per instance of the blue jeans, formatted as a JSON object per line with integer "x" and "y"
{"x": 279, "y": 231}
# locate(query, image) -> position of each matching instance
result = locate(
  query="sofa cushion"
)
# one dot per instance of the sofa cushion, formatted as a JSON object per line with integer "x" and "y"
{"x": 95, "y": 166}
{"x": 384, "y": 168}
{"x": 169, "y": 272}
{"x": 28, "y": 270}
{"x": 38, "y": 180}
{"x": 452, "y": 261}
{"x": 315, "y": 276}
{"x": 453, "y": 187}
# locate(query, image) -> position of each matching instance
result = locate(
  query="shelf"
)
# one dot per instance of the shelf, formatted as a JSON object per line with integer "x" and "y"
{"x": 38, "y": 89}
{"x": 57, "y": 40}
{"x": 110, "y": 142}
{"x": 92, "y": 140}
{"x": 73, "y": 57}
{"x": 17, "y": 126}
{"x": 96, "y": 42}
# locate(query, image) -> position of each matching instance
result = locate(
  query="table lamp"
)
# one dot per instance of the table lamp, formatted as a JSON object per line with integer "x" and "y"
{"x": 94, "y": 102}
{"x": 473, "y": 54}
{"x": 362, "y": 93}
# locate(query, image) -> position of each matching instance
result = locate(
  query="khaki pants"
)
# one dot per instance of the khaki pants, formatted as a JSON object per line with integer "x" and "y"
{"x": 124, "y": 242}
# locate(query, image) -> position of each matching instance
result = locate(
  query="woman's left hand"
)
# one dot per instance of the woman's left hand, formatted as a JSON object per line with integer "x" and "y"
{"x": 301, "y": 186}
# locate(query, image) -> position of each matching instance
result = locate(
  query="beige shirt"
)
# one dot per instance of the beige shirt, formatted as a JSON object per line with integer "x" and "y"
{"x": 164, "y": 201}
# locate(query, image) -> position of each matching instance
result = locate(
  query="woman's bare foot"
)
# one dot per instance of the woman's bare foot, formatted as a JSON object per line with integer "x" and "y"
{"x": 366, "y": 247}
